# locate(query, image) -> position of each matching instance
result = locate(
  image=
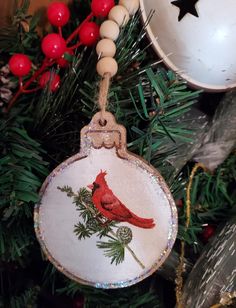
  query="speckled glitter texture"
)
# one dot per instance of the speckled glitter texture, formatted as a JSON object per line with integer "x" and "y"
{"x": 135, "y": 182}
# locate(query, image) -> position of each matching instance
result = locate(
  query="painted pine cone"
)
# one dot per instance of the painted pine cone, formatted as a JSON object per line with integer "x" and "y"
{"x": 124, "y": 234}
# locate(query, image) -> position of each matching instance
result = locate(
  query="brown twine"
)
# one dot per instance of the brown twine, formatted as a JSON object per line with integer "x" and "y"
{"x": 103, "y": 94}
{"x": 180, "y": 267}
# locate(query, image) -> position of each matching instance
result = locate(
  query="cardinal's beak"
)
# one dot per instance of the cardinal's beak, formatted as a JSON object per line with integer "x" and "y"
{"x": 90, "y": 186}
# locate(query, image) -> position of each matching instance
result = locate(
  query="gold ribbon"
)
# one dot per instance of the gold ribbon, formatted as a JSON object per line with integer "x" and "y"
{"x": 180, "y": 267}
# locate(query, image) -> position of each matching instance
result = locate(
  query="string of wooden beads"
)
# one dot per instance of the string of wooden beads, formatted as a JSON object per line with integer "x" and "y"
{"x": 109, "y": 31}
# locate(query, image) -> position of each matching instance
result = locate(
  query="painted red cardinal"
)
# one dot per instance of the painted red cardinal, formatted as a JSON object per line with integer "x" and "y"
{"x": 111, "y": 207}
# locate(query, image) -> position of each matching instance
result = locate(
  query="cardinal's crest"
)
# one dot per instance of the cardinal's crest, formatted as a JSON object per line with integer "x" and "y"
{"x": 101, "y": 176}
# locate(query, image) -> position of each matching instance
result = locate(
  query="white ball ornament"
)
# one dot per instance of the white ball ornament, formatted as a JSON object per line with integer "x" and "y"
{"x": 196, "y": 39}
{"x": 110, "y": 30}
{"x": 107, "y": 65}
{"x": 119, "y": 14}
{"x": 106, "y": 48}
{"x": 132, "y": 6}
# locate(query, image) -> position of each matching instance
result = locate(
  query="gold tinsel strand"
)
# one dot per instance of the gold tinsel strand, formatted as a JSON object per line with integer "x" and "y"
{"x": 180, "y": 267}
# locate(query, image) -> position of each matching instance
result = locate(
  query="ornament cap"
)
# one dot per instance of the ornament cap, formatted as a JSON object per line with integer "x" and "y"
{"x": 107, "y": 134}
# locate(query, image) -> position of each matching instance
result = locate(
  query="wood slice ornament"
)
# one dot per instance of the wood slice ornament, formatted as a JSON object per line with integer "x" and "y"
{"x": 106, "y": 217}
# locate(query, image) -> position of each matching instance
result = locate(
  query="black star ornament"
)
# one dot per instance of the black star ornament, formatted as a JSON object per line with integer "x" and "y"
{"x": 185, "y": 7}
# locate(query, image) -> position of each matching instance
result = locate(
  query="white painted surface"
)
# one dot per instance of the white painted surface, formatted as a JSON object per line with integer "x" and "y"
{"x": 135, "y": 188}
{"x": 202, "y": 49}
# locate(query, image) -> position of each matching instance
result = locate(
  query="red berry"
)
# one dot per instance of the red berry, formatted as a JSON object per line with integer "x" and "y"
{"x": 20, "y": 65}
{"x": 50, "y": 78}
{"x": 53, "y": 46}
{"x": 78, "y": 302}
{"x": 89, "y": 33}
{"x": 62, "y": 62}
{"x": 58, "y": 14}
{"x": 179, "y": 203}
{"x": 101, "y": 8}
{"x": 208, "y": 232}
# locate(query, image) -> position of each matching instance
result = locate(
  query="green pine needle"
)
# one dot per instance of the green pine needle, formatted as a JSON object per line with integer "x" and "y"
{"x": 113, "y": 249}
{"x": 212, "y": 200}
{"x": 82, "y": 231}
{"x": 27, "y": 299}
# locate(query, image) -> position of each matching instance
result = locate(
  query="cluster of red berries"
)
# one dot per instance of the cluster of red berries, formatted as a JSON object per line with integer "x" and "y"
{"x": 54, "y": 46}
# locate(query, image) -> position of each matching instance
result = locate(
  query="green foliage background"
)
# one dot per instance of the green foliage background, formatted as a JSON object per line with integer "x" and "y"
{"x": 43, "y": 129}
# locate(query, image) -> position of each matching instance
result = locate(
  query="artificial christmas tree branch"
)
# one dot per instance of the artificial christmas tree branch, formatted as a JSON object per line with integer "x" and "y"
{"x": 54, "y": 120}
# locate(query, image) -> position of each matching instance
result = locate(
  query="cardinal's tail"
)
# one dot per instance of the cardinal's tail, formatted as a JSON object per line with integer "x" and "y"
{"x": 146, "y": 223}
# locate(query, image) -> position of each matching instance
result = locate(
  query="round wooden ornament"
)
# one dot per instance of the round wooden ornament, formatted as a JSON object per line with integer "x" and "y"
{"x": 106, "y": 217}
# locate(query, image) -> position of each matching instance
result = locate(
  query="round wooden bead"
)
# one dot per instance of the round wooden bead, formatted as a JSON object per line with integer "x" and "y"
{"x": 131, "y": 5}
{"x": 119, "y": 14}
{"x": 106, "y": 48}
{"x": 107, "y": 65}
{"x": 109, "y": 29}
